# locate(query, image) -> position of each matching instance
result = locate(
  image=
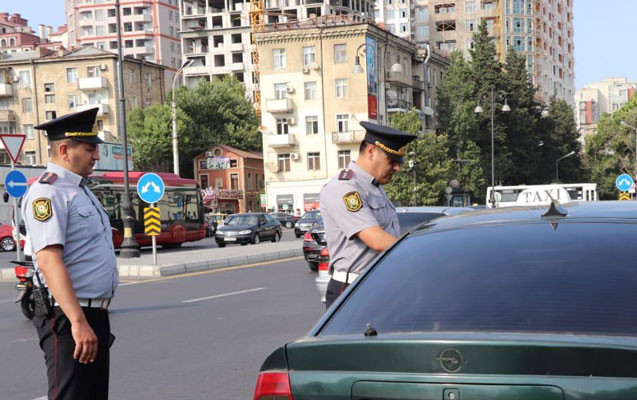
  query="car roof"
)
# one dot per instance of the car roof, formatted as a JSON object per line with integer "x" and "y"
{"x": 434, "y": 209}
{"x": 607, "y": 211}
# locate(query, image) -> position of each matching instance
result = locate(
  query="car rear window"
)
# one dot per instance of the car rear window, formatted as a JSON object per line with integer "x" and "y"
{"x": 578, "y": 278}
{"x": 408, "y": 220}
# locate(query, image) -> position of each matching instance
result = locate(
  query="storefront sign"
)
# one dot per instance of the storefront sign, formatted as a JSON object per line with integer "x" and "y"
{"x": 311, "y": 201}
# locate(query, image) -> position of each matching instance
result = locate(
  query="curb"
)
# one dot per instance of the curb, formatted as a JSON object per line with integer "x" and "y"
{"x": 154, "y": 271}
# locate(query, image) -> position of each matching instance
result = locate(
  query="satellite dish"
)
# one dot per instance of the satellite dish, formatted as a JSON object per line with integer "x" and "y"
{"x": 392, "y": 98}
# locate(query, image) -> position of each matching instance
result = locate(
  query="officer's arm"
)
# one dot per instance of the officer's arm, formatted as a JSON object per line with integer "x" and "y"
{"x": 59, "y": 282}
{"x": 376, "y": 238}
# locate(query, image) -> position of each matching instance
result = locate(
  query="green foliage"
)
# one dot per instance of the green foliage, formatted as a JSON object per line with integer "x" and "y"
{"x": 612, "y": 150}
{"x": 150, "y": 131}
{"x": 431, "y": 169}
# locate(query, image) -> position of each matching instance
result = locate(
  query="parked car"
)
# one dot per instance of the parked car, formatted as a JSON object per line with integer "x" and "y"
{"x": 7, "y": 241}
{"x": 248, "y": 228}
{"x": 515, "y": 303}
{"x": 284, "y": 219}
{"x": 313, "y": 243}
{"x": 305, "y": 222}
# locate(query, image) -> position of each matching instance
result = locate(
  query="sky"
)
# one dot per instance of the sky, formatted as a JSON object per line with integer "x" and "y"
{"x": 603, "y": 47}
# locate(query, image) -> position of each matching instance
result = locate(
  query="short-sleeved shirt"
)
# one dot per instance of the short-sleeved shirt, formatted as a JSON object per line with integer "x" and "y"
{"x": 343, "y": 222}
{"x": 65, "y": 212}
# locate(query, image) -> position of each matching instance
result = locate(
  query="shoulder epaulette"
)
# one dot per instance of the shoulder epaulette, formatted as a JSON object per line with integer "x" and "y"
{"x": 48, "y": 178}
{"x": 345, "y": 175}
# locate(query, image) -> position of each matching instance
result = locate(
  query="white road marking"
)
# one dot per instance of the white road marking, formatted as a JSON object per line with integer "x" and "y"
{"x": 129, "y": 283}
{"x": 222, "y": 295}
{"x": 41, "y": 398}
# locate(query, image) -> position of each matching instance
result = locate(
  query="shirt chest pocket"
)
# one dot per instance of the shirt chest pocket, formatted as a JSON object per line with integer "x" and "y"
{"x": 380, "y": 210}
{"x": 88, "y": 216}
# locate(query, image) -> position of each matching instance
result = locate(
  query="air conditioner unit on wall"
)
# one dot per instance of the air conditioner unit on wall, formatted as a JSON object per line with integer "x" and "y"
{"x": 16, "y": 78}
{"x": 102, "y": 67}
{"x": 291, "y": 121}
{"x": 289, "y": 89}
{"x": 294, "y": 156}
{"x": 315, "y": 66}
{"x": 305, "y": 70}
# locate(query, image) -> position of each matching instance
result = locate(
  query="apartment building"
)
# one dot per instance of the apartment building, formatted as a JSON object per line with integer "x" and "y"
{"x": 16, "y": 35}
{"x": 150, "y": 29}
{"x": 230, "y": 179}
{"x": 216, "y": 34}
{"x": 318, "y": 81}
{"x": 599, "y": 98}
{"x": 540, "y": 30}
{"x": 41, "y": 85}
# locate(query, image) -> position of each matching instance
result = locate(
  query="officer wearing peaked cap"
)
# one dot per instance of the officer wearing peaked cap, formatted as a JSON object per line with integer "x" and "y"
{"x": 360, "y": 221}
{"x": 76, "y": 269}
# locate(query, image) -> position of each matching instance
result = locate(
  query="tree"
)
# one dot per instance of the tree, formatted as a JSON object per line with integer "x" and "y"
{"x": 611, "y": 151}
{"x": 431, "y": 168}
{"x": 150, "y": 130}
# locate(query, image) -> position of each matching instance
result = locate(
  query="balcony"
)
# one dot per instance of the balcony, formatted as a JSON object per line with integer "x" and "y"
{"x": 418, "y": 84}
{"x": 348, "y": 137}
{"x": 6, "y": 90}
{"x": 238, "y": 66}
{"x": 281, "y": 140}
{"x": 198, "y": 70}
{"x": 279, "y": 105}
{"x": 103, "y": 108}
{"x": 236, "y": 47}
{"x": 7, "y": 116}
{"x": 93, "y": 83}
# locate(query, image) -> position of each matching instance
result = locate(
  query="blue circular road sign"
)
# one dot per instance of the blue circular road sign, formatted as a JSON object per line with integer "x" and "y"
{"x": 624, "y": 182}
{"x": 15, "y": 183}
{"x": 150, "y": 188}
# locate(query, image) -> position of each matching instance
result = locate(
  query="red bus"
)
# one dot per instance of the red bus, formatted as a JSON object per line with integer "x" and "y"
{"x": 181, "y": 208}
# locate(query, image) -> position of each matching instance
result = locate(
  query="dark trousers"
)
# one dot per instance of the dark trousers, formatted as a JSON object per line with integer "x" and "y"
{"x": 334, "y": 289}
{"x": 68, "y": 378}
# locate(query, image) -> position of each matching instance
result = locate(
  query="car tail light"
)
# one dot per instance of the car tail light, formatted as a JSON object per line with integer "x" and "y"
{"x": 308, "y": 237}
{"x": 23, "y": 272}
{"x": 324, "y": 260}
{"x": 273, "y": 386}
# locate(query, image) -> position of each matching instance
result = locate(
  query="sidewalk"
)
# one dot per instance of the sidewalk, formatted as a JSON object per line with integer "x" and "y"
{"x": 184, "y": 261}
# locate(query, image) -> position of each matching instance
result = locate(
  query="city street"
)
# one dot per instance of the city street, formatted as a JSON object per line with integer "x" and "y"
{"x": 198, "y": 336}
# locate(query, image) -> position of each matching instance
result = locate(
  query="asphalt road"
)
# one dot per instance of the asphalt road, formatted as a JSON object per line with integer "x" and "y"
{"x": 201, "y": 336}
{"x": 206, "y": 243}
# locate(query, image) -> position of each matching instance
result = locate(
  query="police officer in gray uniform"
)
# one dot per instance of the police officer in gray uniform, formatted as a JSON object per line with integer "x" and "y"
{"x": 74, "y": 257}
{"x": 360, "y": 221}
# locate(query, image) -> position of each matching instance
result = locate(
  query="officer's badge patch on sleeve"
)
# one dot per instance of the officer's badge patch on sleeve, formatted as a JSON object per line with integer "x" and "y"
{"x": 353, "y": 201}
{"x": 42, "y": 209}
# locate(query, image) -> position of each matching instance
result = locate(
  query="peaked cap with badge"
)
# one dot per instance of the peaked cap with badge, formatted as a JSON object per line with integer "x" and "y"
{"x": 77, "y": 126}
{"x": 392, "y": 141}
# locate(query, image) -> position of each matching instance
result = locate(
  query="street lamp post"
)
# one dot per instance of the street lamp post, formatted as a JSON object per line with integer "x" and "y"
{"x": 479, "y": 110}
{"x": 173, "y": 106}
{"x": 557, "y": 174}
{"x": 129, "y": 248}
{"x": 627, "y": 125}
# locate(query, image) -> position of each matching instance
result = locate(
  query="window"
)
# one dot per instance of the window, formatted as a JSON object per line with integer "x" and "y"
{"x": 51, "y": 115}
{"x": 112, "y": 28}
{"x": 279, "y": 58}
{"x": 49, "y": 98}
{"x": 27, "y": 105}
{"x": 343, "y": 158}
{"x": 131, "y": 76}
{"x": 133, "y": 101}
{"x": 311, "y": 125}
{"x": 233, "y": 163}
{"x": 282, "y": 126}
{"x": 30, "y": 157}
{"x": 280, "y": 91}
{"x": 128, "y": 44}
{"x": 309, "y": 55}
{"x": 28, "y": 131}
{"x": 284, "y": 162}
{"x": 74, "y": 101}
{"x": 234, "y": 181}
{"x": 310, "y": 90}
{"x": 249, "y": 182}
{"x": 471, "y": 25}
{"x": 403, "y": 28}
{"x": 71, "y": 75}
{"x": 313, "y": 161}
{"x": 99, "y": 30}
{"x": 5, "y": 103}
{"x": 93, "y": 71}
{"x": 341, "y": 88}
{"x": 340, "y": 53}
{"x": 390, "y": 14}
{"x": 99, "y": 15}
{"x": 422, "y": 31}
{"x": 25, "y": 79}
{"x": 423, "y": 14}
{"x": 204, "y": 181}
{"x": 149, "y": 80}
{"x": 203, "y": 164}
{"x": 111, "y": 12}
{"x": 403, "y": 13}
{"x": 342, "y": 122}
{"x": 470, "y": 7}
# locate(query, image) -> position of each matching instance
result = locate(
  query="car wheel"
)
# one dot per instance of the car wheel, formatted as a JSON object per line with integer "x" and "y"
{"x": 313, "y": 266}
{"x": 7, "y": 244}
{"x": 277, "y": 237}
{"x": 221, "y": 244}
{"x": 289, "y": 224}
{"x": 256, "y": 239}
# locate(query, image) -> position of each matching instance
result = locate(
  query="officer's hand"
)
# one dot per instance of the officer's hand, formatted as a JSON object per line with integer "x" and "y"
{"x": 85, "y": 342}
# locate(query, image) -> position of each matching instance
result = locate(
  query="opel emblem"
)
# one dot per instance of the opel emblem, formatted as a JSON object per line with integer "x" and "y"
{"x": 450, "y": 360}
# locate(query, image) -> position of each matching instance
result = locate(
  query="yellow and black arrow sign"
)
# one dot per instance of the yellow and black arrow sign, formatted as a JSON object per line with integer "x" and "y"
{"x": 152, "y": 223}
{"x": 624, "y": 196}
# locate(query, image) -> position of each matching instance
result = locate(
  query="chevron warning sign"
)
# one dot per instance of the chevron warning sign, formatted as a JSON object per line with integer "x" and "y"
{"x": 152, "y": 224}
{"x": 624, "y": 196}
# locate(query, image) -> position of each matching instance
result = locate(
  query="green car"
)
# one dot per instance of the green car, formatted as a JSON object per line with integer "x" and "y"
{"x": 506, "y": 304}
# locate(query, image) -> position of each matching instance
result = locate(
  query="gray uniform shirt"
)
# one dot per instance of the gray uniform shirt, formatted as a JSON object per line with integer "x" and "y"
{"x": 67, "y": 213}
{"x": 342, "y": 223}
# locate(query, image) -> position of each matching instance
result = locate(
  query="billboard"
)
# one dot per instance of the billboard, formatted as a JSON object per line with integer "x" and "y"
{"x": 218, "y": 163}
{"x": 372, "y": 78}
{"x": 112, "y": 157}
